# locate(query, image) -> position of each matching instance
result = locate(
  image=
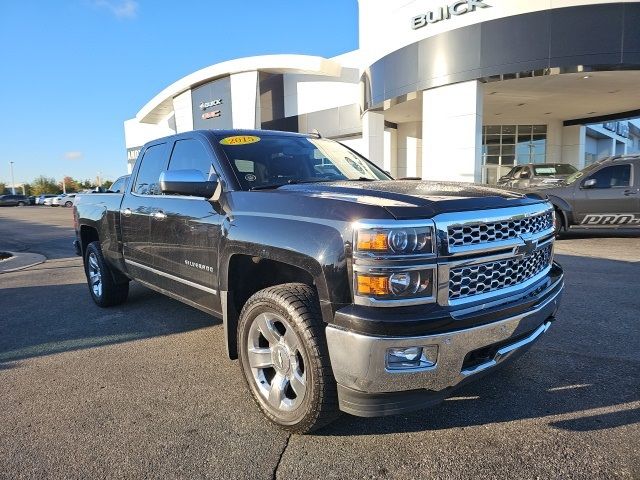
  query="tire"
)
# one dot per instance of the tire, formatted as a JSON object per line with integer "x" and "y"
{"x": 559, "y": 223}
{"x": 293, "y": 385}
{"x": 21, "y": 204}
{"x": 103, "y": 289}
{"x": 68, "y": 204}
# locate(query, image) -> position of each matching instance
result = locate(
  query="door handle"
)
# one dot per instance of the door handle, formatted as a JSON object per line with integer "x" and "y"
{"x": 159, "y": 215}
{"x": 126, "y": 212}
{"x": 630, "y": 192}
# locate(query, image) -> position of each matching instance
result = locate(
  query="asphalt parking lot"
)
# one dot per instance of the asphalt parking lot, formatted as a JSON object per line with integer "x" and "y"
{"x": 145, "y": 389}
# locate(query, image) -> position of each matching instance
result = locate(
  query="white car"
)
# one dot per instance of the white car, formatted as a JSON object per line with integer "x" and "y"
{"x": 63, "y": 200}
{"x": 40, "y": 199}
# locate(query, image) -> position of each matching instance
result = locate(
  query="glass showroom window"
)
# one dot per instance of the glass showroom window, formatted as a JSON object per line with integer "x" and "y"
{"x": 504, "y": 146}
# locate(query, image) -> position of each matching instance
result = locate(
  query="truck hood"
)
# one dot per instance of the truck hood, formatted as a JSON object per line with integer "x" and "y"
{"x": 416, "y": 199}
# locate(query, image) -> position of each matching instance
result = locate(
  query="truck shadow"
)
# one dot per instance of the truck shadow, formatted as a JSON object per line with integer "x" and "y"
{"x": 45, "y": 320}
{"x": 531, "y": 388}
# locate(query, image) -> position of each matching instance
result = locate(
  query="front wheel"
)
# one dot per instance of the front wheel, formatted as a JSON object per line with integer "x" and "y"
{"x": 104, "y": 290}
{"x": 558, "y": 223}
{"x": 284, "y": 358}
{"x": 68, "y": 204}
{"x": 21, "y": 204}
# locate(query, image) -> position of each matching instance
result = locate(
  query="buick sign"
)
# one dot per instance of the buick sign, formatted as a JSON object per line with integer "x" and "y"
{"x": 444, "y": 13}
{"x": 212, "y": 103}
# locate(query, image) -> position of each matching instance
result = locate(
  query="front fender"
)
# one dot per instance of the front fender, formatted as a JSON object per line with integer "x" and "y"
{"x": 565, "y": 208}
{"x": 317, "y": 248}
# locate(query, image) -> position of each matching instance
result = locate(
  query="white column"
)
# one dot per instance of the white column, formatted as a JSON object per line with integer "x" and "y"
{"x": 390, "y": 149}
{"x": 409, "y": 150}
{"x": 373, "y": 137}
{"x": 554, "y": 141}
{"x": 452, "y": 132}
{"x": 244, "y": 88}
{"x": 183, "y": 111}
{"x": 573, "y": 145}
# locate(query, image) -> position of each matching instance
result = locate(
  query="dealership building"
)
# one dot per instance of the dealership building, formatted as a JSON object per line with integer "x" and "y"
{"x": 439, "y": 89}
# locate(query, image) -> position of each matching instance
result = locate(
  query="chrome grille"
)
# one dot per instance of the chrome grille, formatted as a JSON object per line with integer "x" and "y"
{"x": 488, "y": 277}
{"x": 478, "y": 233}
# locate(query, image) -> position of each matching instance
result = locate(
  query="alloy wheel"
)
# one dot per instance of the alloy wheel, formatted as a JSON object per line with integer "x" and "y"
{"x": 95, "y": 275}
{"x": 277, "y": 361}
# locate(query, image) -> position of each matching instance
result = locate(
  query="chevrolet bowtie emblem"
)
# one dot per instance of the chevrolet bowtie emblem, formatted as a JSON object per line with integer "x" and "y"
{"x": 527, "y": 249}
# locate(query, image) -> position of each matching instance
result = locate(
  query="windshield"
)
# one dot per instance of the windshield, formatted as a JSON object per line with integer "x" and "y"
{"x": 577, "y": 175}
{"x": 271, "y": 161}
{"x": 551, "y": 170}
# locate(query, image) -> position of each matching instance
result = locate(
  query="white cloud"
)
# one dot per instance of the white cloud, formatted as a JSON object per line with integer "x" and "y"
{"x": 119, "y": 8}
{"x": 73, "y": 155}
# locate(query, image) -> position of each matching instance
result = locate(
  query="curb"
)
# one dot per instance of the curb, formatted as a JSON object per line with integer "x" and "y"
{"x": 20, "y": 261}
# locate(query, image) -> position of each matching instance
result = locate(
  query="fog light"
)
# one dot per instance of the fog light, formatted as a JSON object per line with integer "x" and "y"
{"x": 408, "y": 358}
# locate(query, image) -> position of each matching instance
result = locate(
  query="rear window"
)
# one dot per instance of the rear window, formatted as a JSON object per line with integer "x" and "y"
{"x": 148, "y": 178}
{"x": 550, "y": 170}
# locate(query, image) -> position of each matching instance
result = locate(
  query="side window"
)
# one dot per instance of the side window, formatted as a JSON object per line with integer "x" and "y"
{"x": 149, "y": 172}
{"x": 613, "y": 176}
{"x": 190, "y": 154}
{"x": 515, "y": 172}
{"x": 118, "y": 186}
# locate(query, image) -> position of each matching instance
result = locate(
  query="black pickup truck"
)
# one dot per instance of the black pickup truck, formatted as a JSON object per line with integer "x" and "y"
{"x": 339, "y": 288}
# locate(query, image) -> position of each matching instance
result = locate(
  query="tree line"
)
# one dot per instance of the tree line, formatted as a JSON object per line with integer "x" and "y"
{"x": 43, "y": 185}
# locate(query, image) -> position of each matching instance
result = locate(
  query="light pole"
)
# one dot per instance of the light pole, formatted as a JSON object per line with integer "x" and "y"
{"x": 13, "y": 182}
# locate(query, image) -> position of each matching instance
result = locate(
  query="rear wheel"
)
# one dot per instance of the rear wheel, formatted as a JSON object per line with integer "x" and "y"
{"x": 104, "y": 290}
{"x": 21, "y": 204}
{"x": 68, "y": 204}
{"x": 284, "y": 358}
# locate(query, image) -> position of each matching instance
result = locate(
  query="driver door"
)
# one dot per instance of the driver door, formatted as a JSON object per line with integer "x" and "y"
{"x": 185, "y": 231}
{"x": 523, "y": 178}
{"x": 611, "y": 200}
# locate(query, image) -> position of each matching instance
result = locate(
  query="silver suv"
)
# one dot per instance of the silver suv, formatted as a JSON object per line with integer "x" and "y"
{"x": 535, "y": 175}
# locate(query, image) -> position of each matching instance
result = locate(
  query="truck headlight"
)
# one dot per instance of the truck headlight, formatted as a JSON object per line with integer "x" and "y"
{"x": 396, "y": 285}
{"x": 394, "y": 241}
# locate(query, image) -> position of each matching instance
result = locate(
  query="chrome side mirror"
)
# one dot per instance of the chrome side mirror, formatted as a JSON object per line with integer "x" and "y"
{"x": 589, "y": 183}
{"x": 188, "y": 182}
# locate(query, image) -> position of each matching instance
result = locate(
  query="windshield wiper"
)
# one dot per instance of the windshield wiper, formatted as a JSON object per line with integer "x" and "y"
{"x": 361, "y": 179}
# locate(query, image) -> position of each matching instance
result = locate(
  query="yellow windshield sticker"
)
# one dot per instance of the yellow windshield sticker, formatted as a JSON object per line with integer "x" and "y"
{"x": 239, "y": 140}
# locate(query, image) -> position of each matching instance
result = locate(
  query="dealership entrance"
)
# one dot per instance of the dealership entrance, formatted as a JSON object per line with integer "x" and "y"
{"x": 461, "y": 91}
{"x": 536, "y": 119}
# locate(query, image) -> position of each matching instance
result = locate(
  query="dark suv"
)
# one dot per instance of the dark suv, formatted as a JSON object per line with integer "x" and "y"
{"x": 604, "y": 194}
{"x": 14, "y": 200}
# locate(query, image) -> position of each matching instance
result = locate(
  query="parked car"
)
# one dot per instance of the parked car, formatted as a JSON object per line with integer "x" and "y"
{"x": 605, "y": 194}
{"x": 339, "y": 288}
{"x": 32, "y": 200}
{"x": 533, "y": 175}
{"x": 40, "y": 199}
{"x": 49, "y": 201}
{"x": 65, "y": 200}
{"x": 14, "y": 200}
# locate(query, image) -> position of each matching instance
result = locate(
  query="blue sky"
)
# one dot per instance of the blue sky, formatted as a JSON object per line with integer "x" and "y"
{"x": 71, "y": 71}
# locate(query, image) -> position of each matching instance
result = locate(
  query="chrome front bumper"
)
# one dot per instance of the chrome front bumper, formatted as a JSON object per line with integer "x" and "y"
{"x": 358, "y": 361}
